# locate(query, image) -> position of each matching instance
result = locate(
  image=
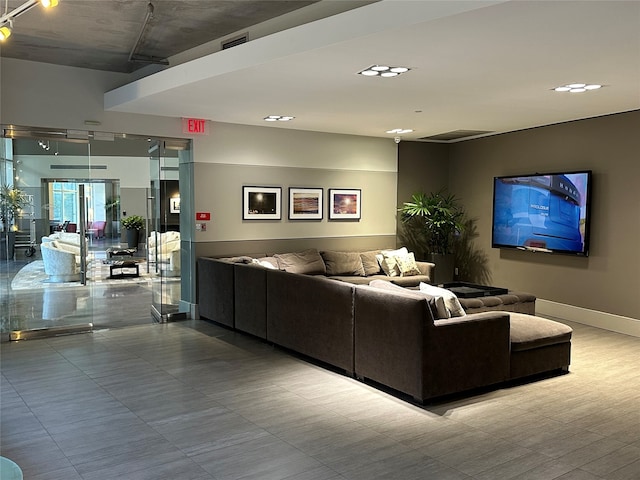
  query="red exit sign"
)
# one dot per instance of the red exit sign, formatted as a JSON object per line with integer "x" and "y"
{"x": 203, "y": 216}
{"x": 195, "y": 126}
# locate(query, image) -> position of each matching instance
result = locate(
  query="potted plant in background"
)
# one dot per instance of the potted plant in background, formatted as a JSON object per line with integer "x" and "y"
{"x": 12, "y": 202}
{"x": 133, "y": 224}
{"x": 430, "y": 223}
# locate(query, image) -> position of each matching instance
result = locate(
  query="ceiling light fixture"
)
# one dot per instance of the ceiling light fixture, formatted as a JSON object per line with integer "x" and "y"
{"x": 577, "y": 87}
{"x": 5, "y": 30}
{"x": 400, "y": 131}
{"x": 383, "y": 71}
{"x": 6, "y": 20}
{"x": 278, "y": 118}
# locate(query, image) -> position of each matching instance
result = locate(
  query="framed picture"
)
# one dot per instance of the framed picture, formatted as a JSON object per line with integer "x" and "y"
{"x": 261, "y": 203}
{"x": 305, "y": 203}
{"x": 344, "y": 204}
{"x": 174, "y": 205}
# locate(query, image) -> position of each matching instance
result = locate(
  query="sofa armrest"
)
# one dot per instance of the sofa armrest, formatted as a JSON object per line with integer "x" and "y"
{"x": 469, "y": 352}
{"x": 426, "y": 268}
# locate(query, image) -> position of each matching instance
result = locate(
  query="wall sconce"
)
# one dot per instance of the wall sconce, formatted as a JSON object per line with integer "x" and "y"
{"x": 6, "y": 21}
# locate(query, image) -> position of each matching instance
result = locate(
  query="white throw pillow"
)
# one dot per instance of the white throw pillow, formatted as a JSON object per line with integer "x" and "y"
{"x": 388, "y": 263}
{"x": 450, "y": 299}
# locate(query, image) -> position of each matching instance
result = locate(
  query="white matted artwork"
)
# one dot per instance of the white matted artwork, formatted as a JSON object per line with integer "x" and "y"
{"x": 261, "y": 203}
{"x": 174, "y": 205}
{"x": 345, "y": 204}
{"x": 305, "y": 203}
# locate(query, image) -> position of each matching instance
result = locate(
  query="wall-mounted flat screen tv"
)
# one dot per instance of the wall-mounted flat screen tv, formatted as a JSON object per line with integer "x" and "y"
{"x": 547, "y": 212}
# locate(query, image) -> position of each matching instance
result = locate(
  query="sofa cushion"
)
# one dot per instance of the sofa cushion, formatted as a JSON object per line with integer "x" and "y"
{"x": 411, "y": 281}
{"x": 528, "y": 332}
{"x": 370, "y": 262}
{"x": 450, "y": 299}
{"x": 308, "y": 262}
{"x": 343, "y": 263}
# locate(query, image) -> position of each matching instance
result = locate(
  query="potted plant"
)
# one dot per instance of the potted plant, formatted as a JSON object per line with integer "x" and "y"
{"x": 12, "y": 202}
{"x": 133, "y": 224}
{"x": 430, "y": 223}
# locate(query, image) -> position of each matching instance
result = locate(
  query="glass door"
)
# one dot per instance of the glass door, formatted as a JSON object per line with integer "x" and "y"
{"x": 164, "y": 243}
{"x": 46, "y": 257}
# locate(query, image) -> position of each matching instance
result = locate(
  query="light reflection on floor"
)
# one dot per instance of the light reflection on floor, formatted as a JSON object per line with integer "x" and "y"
{"x": 104, "y": 305}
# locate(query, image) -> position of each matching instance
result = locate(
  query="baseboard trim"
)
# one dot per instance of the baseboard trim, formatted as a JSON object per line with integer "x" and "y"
{"x": 593, "y": 318}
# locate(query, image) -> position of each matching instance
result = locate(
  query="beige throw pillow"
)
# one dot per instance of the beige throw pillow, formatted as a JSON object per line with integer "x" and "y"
{"x": 407, "y": 265}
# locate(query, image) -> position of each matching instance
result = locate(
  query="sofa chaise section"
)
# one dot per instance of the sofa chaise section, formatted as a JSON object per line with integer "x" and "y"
{"x": 311, "y": 315}
{"x": 399, "y": 344}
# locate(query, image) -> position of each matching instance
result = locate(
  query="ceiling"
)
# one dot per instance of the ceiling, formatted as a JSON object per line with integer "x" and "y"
{"x": 100, "y": 34}
{"x": 479, "y": 66}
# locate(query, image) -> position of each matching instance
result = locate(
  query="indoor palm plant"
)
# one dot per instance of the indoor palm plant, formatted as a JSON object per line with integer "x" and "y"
{"x": 430, "y": 223}
{"x": 12, "y": 202}
{"x": 133, "y": 224}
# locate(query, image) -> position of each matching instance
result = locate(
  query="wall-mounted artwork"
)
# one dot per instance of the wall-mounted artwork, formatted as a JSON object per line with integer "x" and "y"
{"x": 305, "y": 203}
{"x": 261, "y": 203}
{"x": 174, "y": 205}
{"x": 344, "y": 204}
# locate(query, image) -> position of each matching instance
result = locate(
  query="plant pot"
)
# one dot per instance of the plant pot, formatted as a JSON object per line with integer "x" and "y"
{"x": 445, "y": 267}
{"x": 133, "y": 237}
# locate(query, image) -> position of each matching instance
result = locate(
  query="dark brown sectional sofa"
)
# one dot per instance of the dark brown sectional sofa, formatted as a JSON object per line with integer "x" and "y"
{"x": 386, "y": 336}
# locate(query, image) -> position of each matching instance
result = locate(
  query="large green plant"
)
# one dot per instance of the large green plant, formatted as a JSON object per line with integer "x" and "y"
{"x": 12, "y": 202}
{"x": 431, "y": 221}
{"x": 133, "y": 222}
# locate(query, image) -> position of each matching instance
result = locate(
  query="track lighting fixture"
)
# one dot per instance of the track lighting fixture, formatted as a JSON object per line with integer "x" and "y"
{"x": 6, "y": 20}
{"x": 5, "y": 30}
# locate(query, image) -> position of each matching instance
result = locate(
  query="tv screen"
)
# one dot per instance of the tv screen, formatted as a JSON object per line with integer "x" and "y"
{"x": 543, "y": 212}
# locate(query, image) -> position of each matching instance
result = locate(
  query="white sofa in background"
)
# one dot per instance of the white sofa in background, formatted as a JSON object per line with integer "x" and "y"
{"x": 61, "y": 261}
{"x": 165, "y": 248}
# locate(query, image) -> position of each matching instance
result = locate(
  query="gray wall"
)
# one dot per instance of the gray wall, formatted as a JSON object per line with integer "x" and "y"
{"x": 608, "y": 279}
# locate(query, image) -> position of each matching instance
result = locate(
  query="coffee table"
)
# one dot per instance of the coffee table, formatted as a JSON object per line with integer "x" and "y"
{"x": 471, "y": 290}
{"x": 127, "y": 268}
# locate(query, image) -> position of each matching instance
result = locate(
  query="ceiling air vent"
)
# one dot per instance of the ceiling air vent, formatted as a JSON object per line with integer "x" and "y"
{"x": 455, "y": 135}
{"x": 244, "y": 38}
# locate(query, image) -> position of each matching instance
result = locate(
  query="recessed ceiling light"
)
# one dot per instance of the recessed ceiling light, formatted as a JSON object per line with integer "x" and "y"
{"x": 383, "y": 71}
{"x": 577, "y": 87}
{"x": 278, "y": 118}
{"x": 400, "y": 131}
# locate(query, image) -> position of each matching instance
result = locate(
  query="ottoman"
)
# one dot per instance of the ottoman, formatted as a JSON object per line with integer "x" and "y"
{"x": 538, "y": 345}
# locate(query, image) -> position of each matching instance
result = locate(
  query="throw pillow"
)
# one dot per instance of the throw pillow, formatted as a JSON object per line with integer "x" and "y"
{"x": 436, "y": 304}
{"x": 450, "y": 299}
{"x": 407, "y": 265}
{"x": 343, "y": 263}
{"x": 388, "y": 263}
{"x": 267, "y": 262}
{"x": 308, "y": 262}
{"x": 370, "y": 262}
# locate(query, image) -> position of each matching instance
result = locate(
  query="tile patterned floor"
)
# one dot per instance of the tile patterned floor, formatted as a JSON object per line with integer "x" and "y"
{"x": 191, "y": 400}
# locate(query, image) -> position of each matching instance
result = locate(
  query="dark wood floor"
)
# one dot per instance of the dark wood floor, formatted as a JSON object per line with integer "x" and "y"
{"x": 191, "y": 400}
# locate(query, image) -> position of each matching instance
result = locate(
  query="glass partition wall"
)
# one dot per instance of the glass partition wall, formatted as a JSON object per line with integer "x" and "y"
{"x": 82, "y": 190}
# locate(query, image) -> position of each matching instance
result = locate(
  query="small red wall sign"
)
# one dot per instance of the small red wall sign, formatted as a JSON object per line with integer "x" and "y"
{"x": 203, "y": 216}
{"x": 195, "y": 126}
